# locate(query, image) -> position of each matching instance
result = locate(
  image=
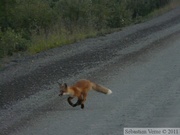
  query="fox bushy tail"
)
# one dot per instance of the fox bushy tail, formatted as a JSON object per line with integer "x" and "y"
{"x": 101, "y": 89}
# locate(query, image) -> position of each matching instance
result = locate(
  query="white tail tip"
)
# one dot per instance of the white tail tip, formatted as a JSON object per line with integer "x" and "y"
{"x": 109, "y": 92}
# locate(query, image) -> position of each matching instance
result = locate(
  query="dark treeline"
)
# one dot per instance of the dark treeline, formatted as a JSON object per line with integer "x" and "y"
{"x": 24, "y": 22}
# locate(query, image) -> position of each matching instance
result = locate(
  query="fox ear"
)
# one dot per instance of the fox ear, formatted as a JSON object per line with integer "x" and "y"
{"x": 65, "y": 85}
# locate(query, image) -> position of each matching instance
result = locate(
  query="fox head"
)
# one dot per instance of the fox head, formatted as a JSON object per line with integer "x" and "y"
{"x": 63, "y": 89}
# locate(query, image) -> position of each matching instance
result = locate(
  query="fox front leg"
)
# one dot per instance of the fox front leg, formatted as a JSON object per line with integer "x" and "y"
{"x": 69, "y": 101}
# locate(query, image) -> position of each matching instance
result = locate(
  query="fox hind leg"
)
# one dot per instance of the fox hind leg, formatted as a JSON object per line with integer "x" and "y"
{"x": 82, "y": 106}
{"x": 76, "y": 104}
{"x": 84, "y": 99}
{"x": 80, "y": 100}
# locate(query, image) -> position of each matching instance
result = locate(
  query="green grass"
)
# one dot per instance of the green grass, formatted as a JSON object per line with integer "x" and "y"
{"x": 39, "y": 43}
{"x": 55, "y": 40}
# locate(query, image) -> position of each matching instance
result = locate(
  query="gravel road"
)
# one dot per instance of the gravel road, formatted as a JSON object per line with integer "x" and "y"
{"x": 140, "y": 64}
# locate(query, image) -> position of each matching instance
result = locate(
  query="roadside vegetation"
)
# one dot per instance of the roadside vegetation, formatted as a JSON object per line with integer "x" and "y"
{"x": 33, "y": 26}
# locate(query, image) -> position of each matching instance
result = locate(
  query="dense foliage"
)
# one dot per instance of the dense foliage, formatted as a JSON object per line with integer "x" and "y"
{"x": 29, "y": 23}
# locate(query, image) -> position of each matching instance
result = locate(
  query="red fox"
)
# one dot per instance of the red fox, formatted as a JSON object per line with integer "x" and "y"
{"x": 80, "y": 90}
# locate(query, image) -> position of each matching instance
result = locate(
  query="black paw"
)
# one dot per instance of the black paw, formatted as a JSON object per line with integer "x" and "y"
{"x": 82, "y": 106}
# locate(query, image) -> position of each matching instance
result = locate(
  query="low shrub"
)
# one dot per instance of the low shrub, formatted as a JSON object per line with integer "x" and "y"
{"x": 11, "y": 42}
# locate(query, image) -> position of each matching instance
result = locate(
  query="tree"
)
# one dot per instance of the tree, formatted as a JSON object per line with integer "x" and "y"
{"x": 6, "y": 13}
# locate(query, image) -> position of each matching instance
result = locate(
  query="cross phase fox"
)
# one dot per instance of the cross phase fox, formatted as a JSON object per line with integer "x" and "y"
{"x": 80, "y": 90}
